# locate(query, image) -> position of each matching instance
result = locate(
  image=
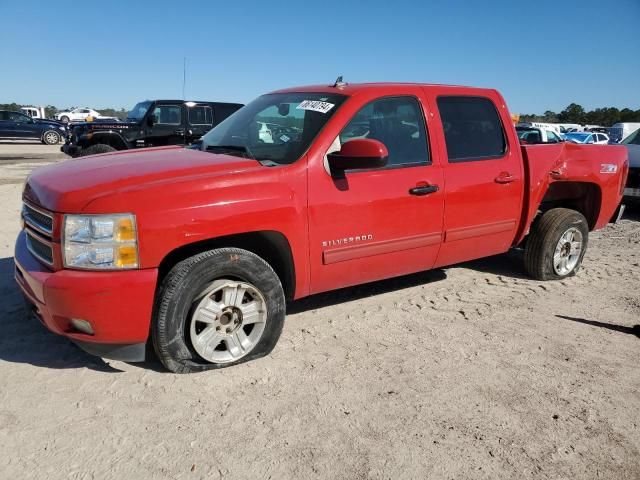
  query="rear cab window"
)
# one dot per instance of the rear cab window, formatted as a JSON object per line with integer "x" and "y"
{"x": 472, "y": 128}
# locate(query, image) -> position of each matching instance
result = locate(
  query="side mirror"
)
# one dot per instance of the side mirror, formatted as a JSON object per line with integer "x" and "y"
{"x": 150, "y": 120}
{"x": 357, "y": 154}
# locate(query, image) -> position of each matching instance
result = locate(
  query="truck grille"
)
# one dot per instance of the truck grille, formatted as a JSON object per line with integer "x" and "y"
{"x": 39, "y": 248}
{"x": 37, "y": 219}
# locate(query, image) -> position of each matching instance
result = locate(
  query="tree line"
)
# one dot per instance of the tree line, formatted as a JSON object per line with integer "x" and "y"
{"x": 51, "y": 110}
{"x": 575, "y": 113}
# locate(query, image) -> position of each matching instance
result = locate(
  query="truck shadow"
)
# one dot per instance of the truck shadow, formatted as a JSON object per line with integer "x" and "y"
{"x": 350, "y": 294}
{"x": 25, "y": 340}
{"x": 510, "y": 264}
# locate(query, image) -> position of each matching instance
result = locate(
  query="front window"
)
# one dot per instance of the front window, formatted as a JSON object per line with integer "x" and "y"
{"x": 19, "y": 117}
{"x": 167, "y": 115}
{"x": 398, "y": 123}
{"x": 139, "y": 111}
{"x": 277, "y": 127}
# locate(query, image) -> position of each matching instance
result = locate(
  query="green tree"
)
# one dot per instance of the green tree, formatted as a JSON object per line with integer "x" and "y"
{"x": 574, "y": 113}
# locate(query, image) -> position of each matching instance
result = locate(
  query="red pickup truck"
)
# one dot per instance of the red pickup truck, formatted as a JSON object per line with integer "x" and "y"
{"x": 302, "y": 191}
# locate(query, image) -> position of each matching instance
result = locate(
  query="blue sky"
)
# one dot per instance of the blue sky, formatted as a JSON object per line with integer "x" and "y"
{"x": 541, "y": 54}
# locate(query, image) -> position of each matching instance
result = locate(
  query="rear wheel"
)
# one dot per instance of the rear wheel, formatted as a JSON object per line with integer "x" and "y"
{"x": 51, "y": 137}
{"x": 216, "y": 309}
{"x": 556, "y": 245}
{"x": 96, "y": 149}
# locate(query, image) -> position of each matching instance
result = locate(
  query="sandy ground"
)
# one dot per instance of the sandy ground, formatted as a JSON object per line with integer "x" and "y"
{"x": 469, "y": 372}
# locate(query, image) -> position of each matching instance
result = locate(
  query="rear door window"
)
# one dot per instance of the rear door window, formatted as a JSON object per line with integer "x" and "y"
{"x": 200, "y": 115}
{"x": 472, "y": 128}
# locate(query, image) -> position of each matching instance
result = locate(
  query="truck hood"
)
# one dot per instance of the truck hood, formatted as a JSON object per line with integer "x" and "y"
{"x": 69, "y": 186}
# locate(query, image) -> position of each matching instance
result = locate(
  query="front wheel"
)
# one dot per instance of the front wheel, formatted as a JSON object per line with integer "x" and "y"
{"x": 64, "y": 119}
{"x": 96, "y": 149}
{"x": 215, "y": 309}
{"x": 51, "y": 137}
{"x": 556, "y": 245}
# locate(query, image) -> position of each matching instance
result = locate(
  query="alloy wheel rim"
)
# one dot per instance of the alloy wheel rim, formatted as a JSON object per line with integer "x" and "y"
{"x": 567, "y": 252}
{"x": 51, "y": 137}
{"x": 228, "y": 321}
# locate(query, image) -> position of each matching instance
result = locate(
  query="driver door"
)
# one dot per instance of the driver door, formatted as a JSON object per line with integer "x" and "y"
{"x": 23, "y": 125}
{"x": 168, "y": 126}
{"x": 377, "y": 223}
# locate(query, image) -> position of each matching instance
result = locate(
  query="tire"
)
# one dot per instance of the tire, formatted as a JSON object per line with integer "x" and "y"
{"x": 197, "y": 315}
{"x": 554, "y": 238}
{"x": 96, "y": 149}
{"x": 51, "y": 137}
{"x": 64, "y": 119}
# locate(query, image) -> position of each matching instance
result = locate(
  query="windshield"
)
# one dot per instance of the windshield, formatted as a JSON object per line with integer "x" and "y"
{"x": 633, "y": 139}
{"x": 277, "y": 127}
{"x": 138, "y": 112}
{"x": 577, "y": 137}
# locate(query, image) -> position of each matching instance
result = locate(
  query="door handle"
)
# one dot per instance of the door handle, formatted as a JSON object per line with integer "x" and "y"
{"x": 423, "y": 190}
{"x": 505, "y": 177}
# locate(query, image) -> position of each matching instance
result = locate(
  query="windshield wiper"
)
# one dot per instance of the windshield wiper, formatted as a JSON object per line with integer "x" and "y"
{"x": 231, "y": 148}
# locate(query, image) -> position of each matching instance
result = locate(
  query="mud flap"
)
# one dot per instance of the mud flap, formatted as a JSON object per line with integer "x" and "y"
{"x": 617, "y": 215}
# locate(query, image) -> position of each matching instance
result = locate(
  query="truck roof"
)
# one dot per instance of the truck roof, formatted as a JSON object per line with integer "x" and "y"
{"x": 353, "y": 88}
{"x": 164, "y": 100}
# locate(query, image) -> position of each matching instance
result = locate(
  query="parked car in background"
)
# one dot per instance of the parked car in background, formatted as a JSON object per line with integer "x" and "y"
{"x": 632, "y": 189}
{"x": 620, "y": 131}
{"x": 569, "y": 127}
{"x": 198, "y": 250}
{"x": 546, "y": 126}
{"x": 587, "y": 137}
{"x": 151, "y": 123}
{"x": 535, "y": 135}
{"x": 18, "y": 126}
{"x": 77, "y": 115}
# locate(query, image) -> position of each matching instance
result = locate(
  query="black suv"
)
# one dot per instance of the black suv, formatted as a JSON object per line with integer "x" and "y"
{"x": 150, "y": 123}
{"x": 18, "y": 126}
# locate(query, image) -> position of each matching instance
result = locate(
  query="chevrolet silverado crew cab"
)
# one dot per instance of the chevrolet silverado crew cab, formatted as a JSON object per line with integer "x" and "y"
{"x": 148, "y": 124}
{"x": 196, "y": 250}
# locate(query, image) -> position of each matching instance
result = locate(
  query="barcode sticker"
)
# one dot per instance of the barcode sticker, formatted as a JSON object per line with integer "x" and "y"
{"x": 315, "y": 105}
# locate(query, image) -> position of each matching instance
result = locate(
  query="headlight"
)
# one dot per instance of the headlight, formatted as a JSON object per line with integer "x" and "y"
{"x": 100, "y": 242}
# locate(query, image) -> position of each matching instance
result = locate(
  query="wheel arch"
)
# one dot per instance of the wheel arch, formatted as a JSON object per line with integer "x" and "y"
{"x": 112, "y": 139}
{"x": 584, "y": 197}
{"x": 270, "y": 245}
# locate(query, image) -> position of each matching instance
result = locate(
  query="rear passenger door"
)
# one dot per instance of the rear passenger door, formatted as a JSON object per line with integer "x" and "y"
{"x": 483, "y": 174}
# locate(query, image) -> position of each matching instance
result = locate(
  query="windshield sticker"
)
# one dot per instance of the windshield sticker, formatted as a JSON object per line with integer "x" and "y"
{"x": 315, "y": 106}
{"x": 284, "y": 138}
